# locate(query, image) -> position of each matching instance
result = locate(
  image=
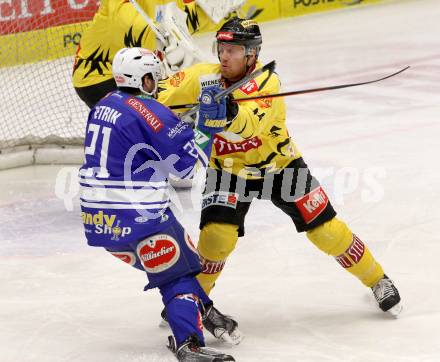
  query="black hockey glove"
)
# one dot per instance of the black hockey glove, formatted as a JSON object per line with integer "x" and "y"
{"x": 231, "y": 110}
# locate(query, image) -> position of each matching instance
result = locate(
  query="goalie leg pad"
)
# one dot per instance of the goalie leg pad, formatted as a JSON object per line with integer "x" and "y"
{"x": 336, "y": 239}
{"x": 217, "y": 241}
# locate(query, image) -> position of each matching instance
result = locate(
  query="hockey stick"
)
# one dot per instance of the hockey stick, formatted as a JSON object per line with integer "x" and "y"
{"x": 153, "y": 26}
{"x": 174, "y": 23}
{"x": 312, "y": 90}
{"x": 172, "y": 28}
{"x": 195, "y": 107}
{"x": 303, "y": 91}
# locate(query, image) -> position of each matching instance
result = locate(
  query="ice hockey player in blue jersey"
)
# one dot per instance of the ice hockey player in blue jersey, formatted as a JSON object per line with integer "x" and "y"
{"x": 132, "y": 144}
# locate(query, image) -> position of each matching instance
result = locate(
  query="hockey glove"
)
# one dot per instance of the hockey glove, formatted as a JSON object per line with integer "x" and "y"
{"x": 212, "y": 113}
{"x": 231, "y": 110}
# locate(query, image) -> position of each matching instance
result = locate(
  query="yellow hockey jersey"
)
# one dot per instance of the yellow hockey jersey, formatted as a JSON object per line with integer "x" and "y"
{"x": 257, "y": 140}
{"x": 116, "y": 25}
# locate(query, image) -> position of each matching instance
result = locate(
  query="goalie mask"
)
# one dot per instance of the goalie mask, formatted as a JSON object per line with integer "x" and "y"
{"x": 130, "y": 65}
{"x": 240, "y": 32}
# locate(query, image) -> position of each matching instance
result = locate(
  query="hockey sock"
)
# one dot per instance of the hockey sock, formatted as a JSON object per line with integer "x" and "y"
{"x": 217, "y": 241}
{"x": 336, "y": 239}
{"x": 181, "y": 300}
{"x": 184, "y": 317}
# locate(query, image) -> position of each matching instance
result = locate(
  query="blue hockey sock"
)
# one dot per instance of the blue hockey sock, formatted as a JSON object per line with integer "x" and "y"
{"x": 184, "y": 317}
{"x": 181, "y": 298}
{"x": 203, "y": 296}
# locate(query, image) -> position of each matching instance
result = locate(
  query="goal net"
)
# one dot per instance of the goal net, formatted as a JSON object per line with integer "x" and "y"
{"x": 39, "y": 107}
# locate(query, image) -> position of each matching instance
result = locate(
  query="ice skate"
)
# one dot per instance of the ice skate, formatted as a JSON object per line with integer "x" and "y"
{"x": 387, "y": 296}
{"x": 221, "y": 326}
{"x": 192, "y": 351}
{"x": 163, "y": 319}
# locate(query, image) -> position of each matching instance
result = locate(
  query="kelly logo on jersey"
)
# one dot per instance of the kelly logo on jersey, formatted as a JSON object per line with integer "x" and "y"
{"x": 312, "y": 204}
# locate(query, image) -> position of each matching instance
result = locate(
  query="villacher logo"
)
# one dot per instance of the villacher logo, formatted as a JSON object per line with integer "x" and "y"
{"x": 158, "y": 253}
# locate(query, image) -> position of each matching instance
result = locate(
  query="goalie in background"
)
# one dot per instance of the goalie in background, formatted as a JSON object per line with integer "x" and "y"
{"x": 255, "y": 158}
{"x": 118, "y": 24}
{"x": 132, "y": 144}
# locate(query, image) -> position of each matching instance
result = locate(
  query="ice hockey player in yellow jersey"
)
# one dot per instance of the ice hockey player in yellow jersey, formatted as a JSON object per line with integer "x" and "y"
{"x": 118, "y": 24}
{"x": 255, "y": 158}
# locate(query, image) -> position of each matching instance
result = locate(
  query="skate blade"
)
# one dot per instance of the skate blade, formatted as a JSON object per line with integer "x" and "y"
{"x": 396, "y": 310}
{"x": 163, "y": 324}
{"x": 233, "y": 338}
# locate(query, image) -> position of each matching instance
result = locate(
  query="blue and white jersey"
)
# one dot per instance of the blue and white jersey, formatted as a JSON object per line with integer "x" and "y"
{"x": 132, "y": 144}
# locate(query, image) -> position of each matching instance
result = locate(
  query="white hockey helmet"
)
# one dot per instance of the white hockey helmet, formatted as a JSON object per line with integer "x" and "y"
{"x": 130, "y": 65}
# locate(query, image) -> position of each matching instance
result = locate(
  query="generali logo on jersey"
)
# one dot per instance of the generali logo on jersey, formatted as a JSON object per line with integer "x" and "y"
{"x": 249, "y": 87}
{"x": 225, "y": 147}
{"x": 146, "y": 114}
{"x": 158, "y": 253}
{"x": 312, "y": 205}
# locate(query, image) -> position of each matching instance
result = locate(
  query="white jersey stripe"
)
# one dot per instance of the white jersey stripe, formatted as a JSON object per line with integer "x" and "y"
{"x": 127, "y": 183}
{"x": 133, "y": 206}
{"x": 98, "y": 194}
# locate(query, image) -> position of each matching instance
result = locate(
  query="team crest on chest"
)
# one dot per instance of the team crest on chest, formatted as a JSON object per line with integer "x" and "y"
{"x": 177, "y": 79}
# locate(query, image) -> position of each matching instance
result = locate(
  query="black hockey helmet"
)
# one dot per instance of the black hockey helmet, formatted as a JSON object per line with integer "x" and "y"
{"x": 241, "y": 32}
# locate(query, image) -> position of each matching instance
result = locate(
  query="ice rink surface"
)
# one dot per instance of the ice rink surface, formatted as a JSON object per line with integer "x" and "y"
{"x": 374, "y": 147}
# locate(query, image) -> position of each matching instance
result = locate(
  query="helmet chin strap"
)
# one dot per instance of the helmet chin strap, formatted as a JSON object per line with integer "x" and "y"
{"x": 153, "y": 93}
{"x": 248, "y": 54}
{"x": 249, "y": 68}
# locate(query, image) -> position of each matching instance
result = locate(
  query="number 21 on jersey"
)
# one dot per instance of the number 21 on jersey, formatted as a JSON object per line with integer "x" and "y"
{"x": 100, "y": 139}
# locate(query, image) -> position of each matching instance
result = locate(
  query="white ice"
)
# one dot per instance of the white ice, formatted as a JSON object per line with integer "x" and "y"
{"x": 374, "y": 147}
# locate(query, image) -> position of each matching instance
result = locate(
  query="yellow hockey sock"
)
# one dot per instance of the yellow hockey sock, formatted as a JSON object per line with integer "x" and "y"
{"x": 336, "y": 239}
{"x": 217, "y": 241}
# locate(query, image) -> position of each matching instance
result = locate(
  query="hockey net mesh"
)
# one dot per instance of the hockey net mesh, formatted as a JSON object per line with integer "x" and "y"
{"x": 38, "y": 39}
